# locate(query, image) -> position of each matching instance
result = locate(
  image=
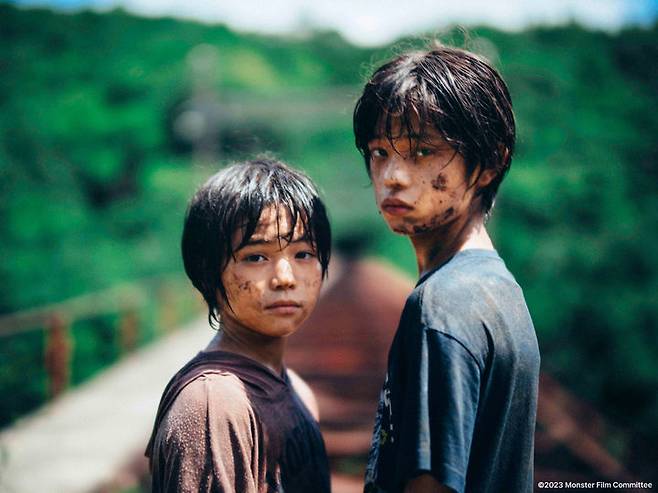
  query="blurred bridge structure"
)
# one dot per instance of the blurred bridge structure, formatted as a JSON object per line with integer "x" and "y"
{"x": 91, "y": 438}
{"x": 81, "y": 439}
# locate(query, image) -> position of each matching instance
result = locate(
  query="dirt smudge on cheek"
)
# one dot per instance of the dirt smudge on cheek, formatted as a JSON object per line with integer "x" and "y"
{"x": 440, "y": 183}
{"x": 312, "y": 283}
{"x": 434, "y": 223}
{"x": 448, "y": 213}
{"x": 232, "y": 283}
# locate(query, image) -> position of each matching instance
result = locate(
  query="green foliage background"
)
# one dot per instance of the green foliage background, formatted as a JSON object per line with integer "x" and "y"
{"x": 93, "y": 184}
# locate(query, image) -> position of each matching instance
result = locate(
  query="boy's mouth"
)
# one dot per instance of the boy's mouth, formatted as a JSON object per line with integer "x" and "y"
{"x": 395, "y": 207}
{"x": 283, "y": 307}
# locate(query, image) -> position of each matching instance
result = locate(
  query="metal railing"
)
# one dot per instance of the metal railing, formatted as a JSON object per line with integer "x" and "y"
{"x": 171, "y": 295}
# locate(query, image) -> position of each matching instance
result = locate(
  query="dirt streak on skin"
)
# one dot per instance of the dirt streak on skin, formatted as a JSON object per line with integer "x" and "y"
{"x": 422, "y": 228}
{"x": 440, "y": 183}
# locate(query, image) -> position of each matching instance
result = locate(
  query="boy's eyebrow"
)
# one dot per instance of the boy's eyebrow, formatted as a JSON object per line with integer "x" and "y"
{"x": 409, "y": 136}
{"x": 265, "y": 241}
{"x": 435, "y": 141}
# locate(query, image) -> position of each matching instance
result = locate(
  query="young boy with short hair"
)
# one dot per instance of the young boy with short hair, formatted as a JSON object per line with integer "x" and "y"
{"x": 457, "y": 410}
{"x": 256, "y": 244}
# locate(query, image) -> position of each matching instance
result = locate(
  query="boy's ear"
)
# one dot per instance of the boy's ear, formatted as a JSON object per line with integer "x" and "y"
{"x": 505, "y": 154}
{"x": 486, "y": 177}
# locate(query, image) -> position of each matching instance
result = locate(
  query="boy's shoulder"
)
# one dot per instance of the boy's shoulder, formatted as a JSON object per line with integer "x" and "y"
{"x": 468, "y": 283}
{"x": 222, "y": 387}
{"x": 209, "y": 399}
{"x": 209, "y": 393}
{"x": 213, "y": 408}
{"x": 210, "y": 384}
{"x": 470, "y": 292}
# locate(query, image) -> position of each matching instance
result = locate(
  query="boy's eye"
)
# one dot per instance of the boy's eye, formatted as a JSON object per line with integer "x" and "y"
{"x": 255, "y": 258}
{"x": 305, "y": 255}
{"x": 378, "y": 152}
{"x": 424, "y": 152}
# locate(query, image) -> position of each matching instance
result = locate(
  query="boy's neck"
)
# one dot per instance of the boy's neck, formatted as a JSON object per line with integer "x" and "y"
{"x": 436, "y": 247}
{"x": 266, "y": 350}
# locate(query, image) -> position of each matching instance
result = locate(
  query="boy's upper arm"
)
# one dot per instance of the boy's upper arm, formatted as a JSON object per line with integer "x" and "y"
{"x": 305, "y": 393}
{"x": 207, "y": 441}
{"x": 442, "y": 382}
{"x": 426, "y": 483}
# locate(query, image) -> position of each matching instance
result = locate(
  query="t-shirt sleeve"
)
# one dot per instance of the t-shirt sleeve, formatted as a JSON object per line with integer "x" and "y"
{"x": 208, "y": 440}
{"x": 442, "y": 381}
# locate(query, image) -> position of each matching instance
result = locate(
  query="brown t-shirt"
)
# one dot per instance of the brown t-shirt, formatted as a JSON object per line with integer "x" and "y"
{"x": 226, "y": 423}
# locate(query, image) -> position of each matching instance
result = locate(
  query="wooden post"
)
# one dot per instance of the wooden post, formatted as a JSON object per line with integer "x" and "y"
{"x": 128, "y": 330}
{"x": 58, "y": 354}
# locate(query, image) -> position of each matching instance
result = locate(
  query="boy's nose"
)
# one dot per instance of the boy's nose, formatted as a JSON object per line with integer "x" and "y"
{"x": 283, "y": 276}
{"x": 395, "y": 174}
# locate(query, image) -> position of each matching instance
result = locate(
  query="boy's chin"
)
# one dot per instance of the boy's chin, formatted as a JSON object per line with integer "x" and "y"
{"x": 408, "y": 229}
{"x": 401, "y": 229}
{"x": 276, "y": 331}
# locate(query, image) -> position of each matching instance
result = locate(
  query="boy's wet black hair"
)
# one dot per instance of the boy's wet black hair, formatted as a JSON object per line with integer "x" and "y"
{"x": 233, "y": 200}
{"x": 455, "y": 92}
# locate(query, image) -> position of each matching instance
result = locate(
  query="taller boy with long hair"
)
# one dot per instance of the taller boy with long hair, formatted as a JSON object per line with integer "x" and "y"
{"x": 457, "y": 410}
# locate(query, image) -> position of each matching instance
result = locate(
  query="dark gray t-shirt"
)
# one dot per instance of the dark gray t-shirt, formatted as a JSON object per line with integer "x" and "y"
{"x": 460, "y": 396}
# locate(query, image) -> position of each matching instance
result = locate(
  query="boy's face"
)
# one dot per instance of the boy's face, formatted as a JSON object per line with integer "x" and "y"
{"x": 272, "y": 285}
{"x": 420, "y": 185}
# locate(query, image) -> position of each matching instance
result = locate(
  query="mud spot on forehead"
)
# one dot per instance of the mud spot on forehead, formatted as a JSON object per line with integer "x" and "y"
{"x": 440, "y": 182}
